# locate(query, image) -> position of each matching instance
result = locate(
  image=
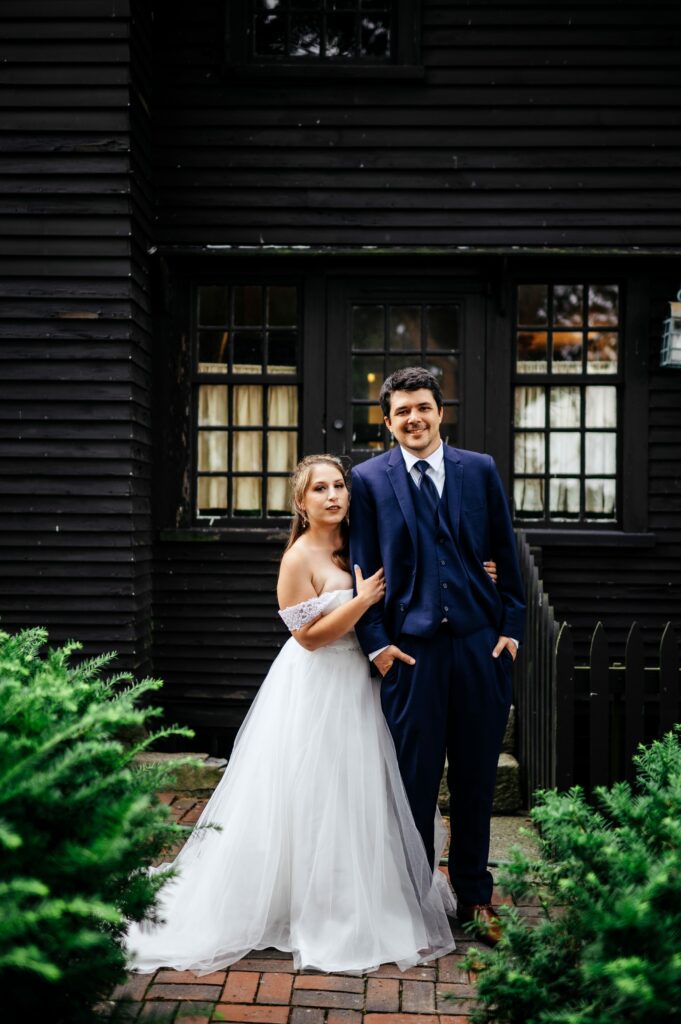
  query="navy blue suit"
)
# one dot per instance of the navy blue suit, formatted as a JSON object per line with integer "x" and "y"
{"x": 441, "y": 607}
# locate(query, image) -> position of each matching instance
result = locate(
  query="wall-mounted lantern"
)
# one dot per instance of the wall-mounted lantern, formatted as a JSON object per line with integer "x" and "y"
{"x": 671, "y": 337}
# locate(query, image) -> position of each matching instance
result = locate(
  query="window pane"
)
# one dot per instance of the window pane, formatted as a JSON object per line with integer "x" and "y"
{"x": 212, "y": 451}
{"x": 529, "y": 453}
{"x": 376, "y": 35}
{"x": 397, "y": 362}
{"x": 529, "y": 407}
{"x": 247, "y": 405}
{"x": 367, "y": 376}
{"x": 305, "y": 35}
{"x": 248, "y": 305}
{"x": 367, "y": 327}
{"x": 282, "y": 406}
{"x": 602, "y": 353}
{"x": 449, "y": 428}
{"x": 532, "y": 348}
{"x": 600, "y": 453}
{"x": 270, "y": 35}
{"x": 446, "y": 370}
{"x": 533, "y": 304}
{"x": 528, "y": 496}
{"x": 212, "y": 405}
{"x": 601, "y": 407}
{"x": 281, "y": 351}
{"x": 567, "y": 352}
{"x": 404, "y": 327}
{"x": 282, "y": 306}
{"x": 600, "y": 497}
{"x": 565, "y": 449}
{"x": 340, "y": 35}
{"x": 247, "y": 352}
{"x": 282, "y": 451}
{"x": 568, "y": 305}
{"x": 442, "y": 327}
{"x": 213, "y": 305}
{"x": 246, "y": 496}
{"x": 564, "y": 410}
{"x": 213, "y": 351}
{"x": 278, "y": 498}
{"x": 246, "y": 451}
{"x": 211, "y": 494}
{"x": 367, "y": 426}
{"x": 603, "y": 305}
{"x": 564, "y": 498}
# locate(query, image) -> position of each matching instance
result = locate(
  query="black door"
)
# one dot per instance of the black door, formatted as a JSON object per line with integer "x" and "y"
{"x": 377, "y": 325}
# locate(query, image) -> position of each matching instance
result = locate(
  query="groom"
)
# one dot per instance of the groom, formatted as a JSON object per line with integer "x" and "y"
{"x": 445, "y": 637}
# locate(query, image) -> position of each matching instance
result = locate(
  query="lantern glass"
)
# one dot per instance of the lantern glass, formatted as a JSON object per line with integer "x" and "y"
{"x": 671, "y": 338}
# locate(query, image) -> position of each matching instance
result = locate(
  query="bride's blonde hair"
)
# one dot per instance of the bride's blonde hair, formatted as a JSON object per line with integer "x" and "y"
{"x": 300, "y": 481}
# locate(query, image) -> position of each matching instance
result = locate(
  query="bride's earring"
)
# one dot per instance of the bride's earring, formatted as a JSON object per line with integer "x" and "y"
{"x": 303, "y": 517}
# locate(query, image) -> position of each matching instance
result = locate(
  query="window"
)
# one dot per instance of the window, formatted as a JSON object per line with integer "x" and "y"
{"x": 322, "y": 29}
{"x": 386, "y": 337}
{"x": 567, "y": 383}
{"x": 353, "y": 37}
{"x": 245, "y": 399}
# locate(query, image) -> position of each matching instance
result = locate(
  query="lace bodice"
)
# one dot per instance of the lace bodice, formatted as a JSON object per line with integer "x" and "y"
{"x": 298, "y": 615}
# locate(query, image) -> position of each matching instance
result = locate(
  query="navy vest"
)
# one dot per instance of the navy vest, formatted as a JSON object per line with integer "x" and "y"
{"x": 443, "y": 589}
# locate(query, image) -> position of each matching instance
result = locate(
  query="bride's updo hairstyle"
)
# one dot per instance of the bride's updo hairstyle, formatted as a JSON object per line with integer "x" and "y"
{"x": 300, "y": 481}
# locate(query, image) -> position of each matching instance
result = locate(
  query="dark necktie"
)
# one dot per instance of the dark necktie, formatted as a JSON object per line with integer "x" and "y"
{"x": 427, "y": 488}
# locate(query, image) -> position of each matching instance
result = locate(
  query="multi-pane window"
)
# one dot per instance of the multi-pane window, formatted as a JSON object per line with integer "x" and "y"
{"x": 321, "y": 30}
{"x": 566, "y": 402}
{"x": 386, "y": 337}
{"x": 246, "y": 399}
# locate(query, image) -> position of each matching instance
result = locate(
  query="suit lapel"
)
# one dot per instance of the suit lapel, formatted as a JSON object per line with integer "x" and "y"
{"x": 453, "y": 485}
{"x": 397, "y": 475}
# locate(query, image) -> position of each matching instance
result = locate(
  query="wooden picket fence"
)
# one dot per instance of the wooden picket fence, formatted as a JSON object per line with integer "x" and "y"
{"x": 581, "y": 724}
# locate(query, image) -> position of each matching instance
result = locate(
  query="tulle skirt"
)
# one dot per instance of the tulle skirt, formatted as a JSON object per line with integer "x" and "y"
{"x": 317, "y": 852}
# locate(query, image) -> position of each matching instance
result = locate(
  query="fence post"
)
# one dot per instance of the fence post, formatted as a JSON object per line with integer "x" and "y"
{"x": 634, "y": 693}
{"x": 564, "y": 703}
{"x": 599, "y": 709}
{"x": 669, "y": 679}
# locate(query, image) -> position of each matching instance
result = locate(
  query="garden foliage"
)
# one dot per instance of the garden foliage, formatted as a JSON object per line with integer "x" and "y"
{"x": 78, "y": 823}
{"x": 607, "y": 946}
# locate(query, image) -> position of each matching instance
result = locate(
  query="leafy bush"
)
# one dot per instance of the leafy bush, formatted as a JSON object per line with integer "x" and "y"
{"x": 78, "y": 822}
{"x": 607, "y": 946}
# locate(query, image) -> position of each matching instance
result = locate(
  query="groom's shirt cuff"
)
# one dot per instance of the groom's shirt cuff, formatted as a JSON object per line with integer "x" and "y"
{"x": 375, "y": 654}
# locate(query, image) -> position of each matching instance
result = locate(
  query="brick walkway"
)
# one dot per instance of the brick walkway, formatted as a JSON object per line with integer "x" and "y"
{"x": 265, "y": 989}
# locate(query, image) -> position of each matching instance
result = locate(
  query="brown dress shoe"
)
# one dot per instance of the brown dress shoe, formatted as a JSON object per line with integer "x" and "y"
{"x": 486, "y": 918}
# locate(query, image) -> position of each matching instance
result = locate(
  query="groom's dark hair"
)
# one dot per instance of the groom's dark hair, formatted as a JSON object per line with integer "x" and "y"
{"x": 409, "y": 378}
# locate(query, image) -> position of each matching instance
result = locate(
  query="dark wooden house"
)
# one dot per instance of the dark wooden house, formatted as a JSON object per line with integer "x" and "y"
{"x": 223, "y": 223}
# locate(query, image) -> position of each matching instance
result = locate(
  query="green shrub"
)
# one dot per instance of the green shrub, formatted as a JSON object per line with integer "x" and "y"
{"x": 78, "y": 823}
{"x": 607, "y": 946}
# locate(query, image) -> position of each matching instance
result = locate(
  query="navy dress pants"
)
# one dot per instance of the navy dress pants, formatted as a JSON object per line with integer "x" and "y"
{"x": 454, "y": 700}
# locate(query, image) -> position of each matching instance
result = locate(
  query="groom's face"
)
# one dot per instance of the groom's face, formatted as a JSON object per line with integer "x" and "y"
{"x": 415, "y": 421}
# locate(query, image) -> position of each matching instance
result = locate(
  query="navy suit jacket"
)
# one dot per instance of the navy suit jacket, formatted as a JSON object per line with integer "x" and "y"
{"x": 383, "y": 532}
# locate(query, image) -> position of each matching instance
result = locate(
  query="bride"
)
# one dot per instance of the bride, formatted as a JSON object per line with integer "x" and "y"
{"x": 317, "y": 854}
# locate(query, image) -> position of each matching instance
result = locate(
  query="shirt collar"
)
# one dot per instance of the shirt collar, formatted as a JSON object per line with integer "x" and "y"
{"x": 434, "y": 460}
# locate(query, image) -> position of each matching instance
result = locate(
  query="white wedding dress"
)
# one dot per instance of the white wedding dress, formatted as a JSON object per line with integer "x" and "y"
{"x": 318, "y": 854}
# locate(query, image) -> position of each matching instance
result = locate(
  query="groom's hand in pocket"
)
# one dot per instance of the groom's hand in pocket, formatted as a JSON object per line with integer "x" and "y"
{"x": 386, "y": 659}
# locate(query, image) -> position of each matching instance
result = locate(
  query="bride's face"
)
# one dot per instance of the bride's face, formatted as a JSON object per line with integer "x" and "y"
{"x": 326, "y": 499}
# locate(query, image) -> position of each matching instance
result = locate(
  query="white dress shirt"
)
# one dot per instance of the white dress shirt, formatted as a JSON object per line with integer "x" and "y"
{"x": 436, "y": 472}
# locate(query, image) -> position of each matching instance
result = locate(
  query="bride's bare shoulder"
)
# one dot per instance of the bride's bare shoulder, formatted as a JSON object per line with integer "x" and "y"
{"x": 295, "y": 576}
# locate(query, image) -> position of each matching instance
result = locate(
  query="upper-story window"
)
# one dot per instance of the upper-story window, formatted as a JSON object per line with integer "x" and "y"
{"x": 322, "y": 29}
{"x": 313, "y": 37}
{"x": 567, "y": 400}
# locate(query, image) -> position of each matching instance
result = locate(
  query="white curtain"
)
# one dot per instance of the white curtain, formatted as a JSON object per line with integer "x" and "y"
{"x": 282, "y": 445}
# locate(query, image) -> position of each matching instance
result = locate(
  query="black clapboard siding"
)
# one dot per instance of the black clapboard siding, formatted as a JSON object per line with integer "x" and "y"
{"x": 75, "y": 454}
{"x": 526, "y": 112}
{"x": 216, "y": 629}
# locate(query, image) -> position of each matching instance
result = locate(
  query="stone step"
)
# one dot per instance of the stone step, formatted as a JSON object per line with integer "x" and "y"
{"x": 198, "y": 779}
